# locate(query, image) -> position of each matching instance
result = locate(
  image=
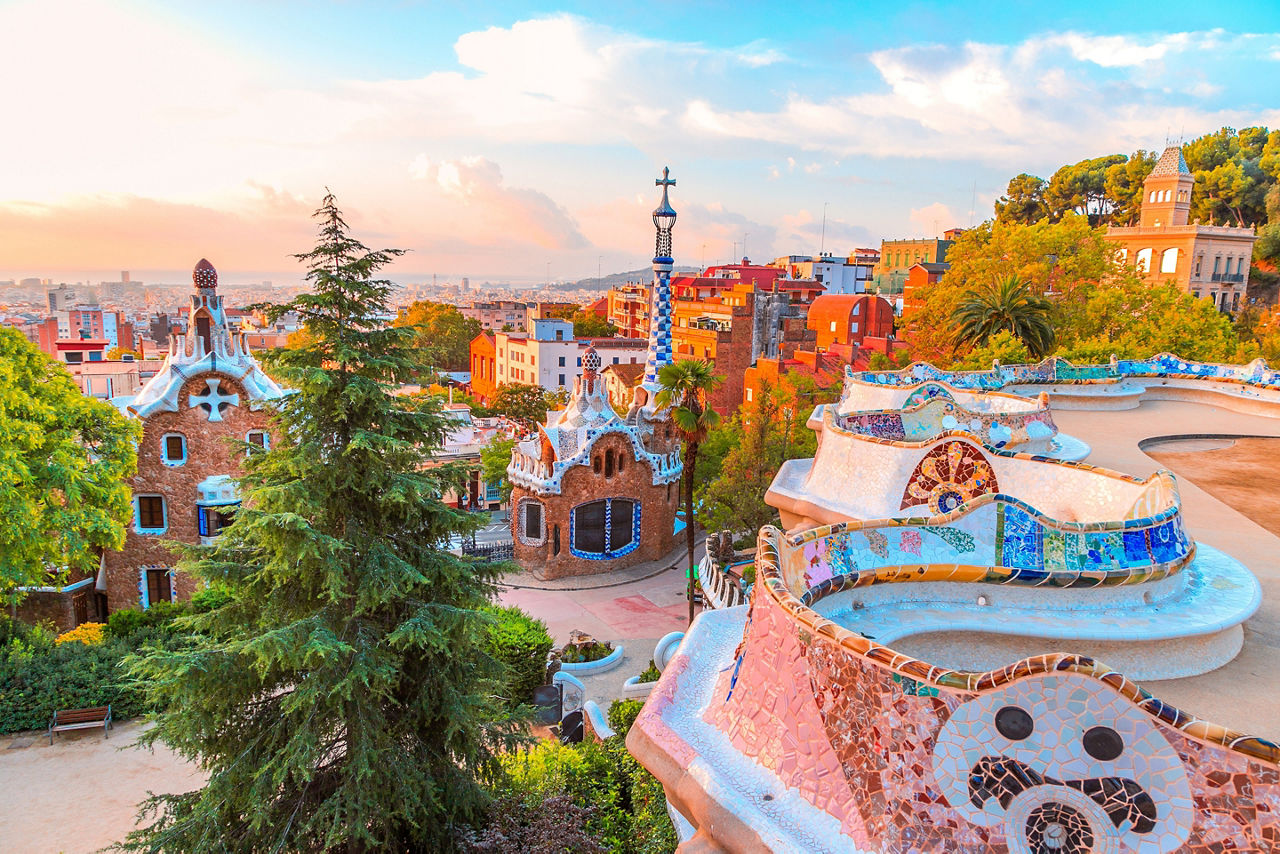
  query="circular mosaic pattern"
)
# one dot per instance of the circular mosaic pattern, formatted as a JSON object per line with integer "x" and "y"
{"x": 1054, "y": 819}
{"x": 949, "y": 475}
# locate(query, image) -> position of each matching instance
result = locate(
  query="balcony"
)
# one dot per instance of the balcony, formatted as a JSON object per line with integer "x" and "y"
{"x": 1228, "y": 278}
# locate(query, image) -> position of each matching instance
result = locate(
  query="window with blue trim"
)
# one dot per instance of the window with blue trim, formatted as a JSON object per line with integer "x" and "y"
{"x": 150, "y": 514}
{"x": 604, "y": 529}
{"x": 173, "y": 449}
{"x": 213, "y": 519}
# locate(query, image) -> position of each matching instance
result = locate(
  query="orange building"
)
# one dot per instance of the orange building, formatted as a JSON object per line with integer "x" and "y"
{"x": 1205, "y": 260}
{"x": 628, "y": 310}
{"x": 918, "y": 276}
{"x": 849, "y": 318}
{"x": 483, "y": 365}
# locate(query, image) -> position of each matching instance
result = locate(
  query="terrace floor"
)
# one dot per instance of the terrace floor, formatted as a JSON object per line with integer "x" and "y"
{"x": 1231, "y": 500}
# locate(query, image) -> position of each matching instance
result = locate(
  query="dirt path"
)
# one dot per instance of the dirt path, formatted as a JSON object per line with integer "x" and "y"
{"x": 82, "y": 793}
{"x": 1240, "y": 475}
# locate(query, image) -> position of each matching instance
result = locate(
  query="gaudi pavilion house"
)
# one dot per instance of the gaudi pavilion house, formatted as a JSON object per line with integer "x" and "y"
{"x": 594, "y": 491}
{"x": 939, "y": 651}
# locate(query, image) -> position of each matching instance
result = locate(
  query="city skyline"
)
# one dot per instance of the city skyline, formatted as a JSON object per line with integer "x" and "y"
{"x": 495, "y": 141}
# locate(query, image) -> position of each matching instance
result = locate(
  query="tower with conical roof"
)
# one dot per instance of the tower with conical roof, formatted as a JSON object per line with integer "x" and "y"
{"x": 664, "y": 219}
{"x": 1166, "y": 198}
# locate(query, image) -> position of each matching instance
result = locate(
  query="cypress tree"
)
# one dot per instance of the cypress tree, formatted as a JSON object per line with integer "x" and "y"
{"x": 342, "y": 699}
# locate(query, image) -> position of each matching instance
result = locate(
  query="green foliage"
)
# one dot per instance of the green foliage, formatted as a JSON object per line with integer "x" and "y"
{"x": 588, "y": 324}
{"x": 521, "y": 643}
{"x": 38, "y": 677}
{"x": 442, "y": 332}
{"x": 1081, "y": 188}
{"x": 582, "y": 653}
{"x": 881, "y": 362}
{"x": 132, "y": 622}
{"x": 344, "y": 697}
{"x": 683, "y": 387}
{"x": 1006, "y": 305}
{"x": 516, "y": 826}
{"x": 1023, "y": 201}
{"x": 629, "y": 807}
{"x": 494, "y": 459}
{"x": 65, "y": 461}
{"x": 623, "y": 713}
{"x": 649, "y": 674}
{"x": 1002, "y": 347}
{"x": 525, "y": 404}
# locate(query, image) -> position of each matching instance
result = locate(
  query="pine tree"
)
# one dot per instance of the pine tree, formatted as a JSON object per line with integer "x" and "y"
{"x": 342, "y": 699}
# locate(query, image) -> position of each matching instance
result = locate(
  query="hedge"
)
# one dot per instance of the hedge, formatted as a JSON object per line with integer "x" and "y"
{"x": 521, "y": 643}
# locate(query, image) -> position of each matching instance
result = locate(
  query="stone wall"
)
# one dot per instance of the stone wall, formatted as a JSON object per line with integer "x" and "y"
{"x": 580, "y": 485}
{"x": 209, "y": 453}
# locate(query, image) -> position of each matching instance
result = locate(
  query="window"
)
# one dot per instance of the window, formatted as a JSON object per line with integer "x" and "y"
{"x": 561, "y": 379}
{"x": 212, "y": 520}
{"x": 1199, "y": 262}
{"x": 749, "y": 396}
{"x": 833, "y": 326}
{"x": 604, "y": 529}
{"x": 853, "y": 327}
{"x": 1217, "y": 262}
{"x": 559, "y": 334}
{"x": 561, "y": 365}
{"x": 1169, "y": 261}
{"x": 1144, "y": 260}
{"x": 173, "y": 449}
{"x": 159, "y": 586}
{"x": 533, "y": 360}
{"x": 531, "y": 523}
{"x": 857, "y": 308}
{"x": 151, "y": 517}
{"x": 579, "y": 361}
{"x": 1235, "y": 301}
{"x": 608, "y": 463}
{"x": 615, "y": 360}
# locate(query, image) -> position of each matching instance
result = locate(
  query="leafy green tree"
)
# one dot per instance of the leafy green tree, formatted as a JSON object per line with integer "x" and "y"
{"x": 1003, "y": 347}
{"x": 684, "y": 387}
{"x": 1123, "y": 187}
{"x": 588, "y": 324}
{"x": 494, "y": 459}
{"x": 525, "y": 404}
{"x": 442, "y": 332}
{"x": 65, "y": 461}
{"x": 1023, "y": 200}
{"x": 1081, "y": 188}
{"x": 343, "y": 698}
{"x": 1007, "y": 304}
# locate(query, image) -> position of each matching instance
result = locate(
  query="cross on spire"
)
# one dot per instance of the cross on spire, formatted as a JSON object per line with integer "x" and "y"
{"x": 665, "y": 181}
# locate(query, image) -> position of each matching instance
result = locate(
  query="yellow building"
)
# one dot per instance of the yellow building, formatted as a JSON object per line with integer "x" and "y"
{"x": 1206, "y": 260}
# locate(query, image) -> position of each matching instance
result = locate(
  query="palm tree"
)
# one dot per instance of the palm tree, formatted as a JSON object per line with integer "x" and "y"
{"x": 1006, "y": 304}
{"x": 684, "y": 387}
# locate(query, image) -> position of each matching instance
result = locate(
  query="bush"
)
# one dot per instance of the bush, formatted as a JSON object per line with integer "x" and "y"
{"x": 68, "y": 676}
{"x": 650, "y": 673}
{"x": 134, "y": 621}
{"x": 521, "y": 643}
{"x": 622, "y": 713}
{"x": 582, "y": 653}
{"x": 627, "y": 806}
{"x": 89, "y": 634}
{"x": 209, "y": 599}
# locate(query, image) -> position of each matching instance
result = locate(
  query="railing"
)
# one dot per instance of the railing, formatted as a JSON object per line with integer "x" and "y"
{"x": 721, "y": 589}
{"x": 1227, "y": 277}
{"x": 489, "y": 552}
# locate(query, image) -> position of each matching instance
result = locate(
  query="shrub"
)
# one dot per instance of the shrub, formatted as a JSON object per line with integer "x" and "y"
{"x": 209, "y": 599}
{"x": 521, "y": 643}
{"x": 68, "y": 676}
{"x": 582, "y": 653}
{"x": 89, "y": 634}
{"x": 622, "y": 713}
{"x": 516, "y": 827}
{"x": 134, "y": 621}
{"x": 650, "y": 673}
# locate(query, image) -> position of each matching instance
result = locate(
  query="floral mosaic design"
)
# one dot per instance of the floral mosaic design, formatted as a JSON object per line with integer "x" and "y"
{"x": 949, "y": 475}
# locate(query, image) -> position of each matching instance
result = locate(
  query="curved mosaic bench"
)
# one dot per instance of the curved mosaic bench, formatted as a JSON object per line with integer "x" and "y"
{"x": 927, "y": 408}
{"x": 779, "y": 729}
{"x": 1119, "y": 384}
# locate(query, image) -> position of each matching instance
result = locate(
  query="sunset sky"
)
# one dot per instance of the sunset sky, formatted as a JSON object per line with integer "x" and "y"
{"x": 494, "y": 138}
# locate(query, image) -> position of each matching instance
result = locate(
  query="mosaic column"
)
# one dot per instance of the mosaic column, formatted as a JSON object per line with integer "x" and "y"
{"x": 664, "y": 218}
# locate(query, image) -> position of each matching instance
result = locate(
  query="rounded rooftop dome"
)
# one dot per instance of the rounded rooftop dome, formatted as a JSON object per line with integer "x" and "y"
{"x": 204, "y": 275}
{"x": 591, "y": 361}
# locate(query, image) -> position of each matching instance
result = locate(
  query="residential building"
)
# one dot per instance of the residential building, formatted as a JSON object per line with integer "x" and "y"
{"x": 733, "y": 329}
{"x": 848, "y": 319}
{"x": 918, "y": 276}
{"x": 620, "y": 382}
{"x": 549, "y": 357}
{"x": 898, "y": 256}
{"x": 628, "y": 309}
{"x": 1205, "y": 260}
{"x": 837, "y": 275}
{"x": 547, "y": 310}
{"x": 497, "y": 316}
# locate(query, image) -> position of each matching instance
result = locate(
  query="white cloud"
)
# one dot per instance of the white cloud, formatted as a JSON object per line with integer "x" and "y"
{"x": 1121, "y": 51}
{"x": 932, "y": 220}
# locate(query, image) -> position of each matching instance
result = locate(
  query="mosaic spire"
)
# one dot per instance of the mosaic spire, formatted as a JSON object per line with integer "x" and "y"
{"x": 664, "y": 218}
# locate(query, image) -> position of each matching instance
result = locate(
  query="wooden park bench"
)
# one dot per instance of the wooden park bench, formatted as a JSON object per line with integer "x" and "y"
{"x": 64, "y": 719}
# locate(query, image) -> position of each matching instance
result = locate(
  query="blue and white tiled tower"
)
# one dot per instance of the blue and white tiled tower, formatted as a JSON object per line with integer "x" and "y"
{"x": 664, "y": 218}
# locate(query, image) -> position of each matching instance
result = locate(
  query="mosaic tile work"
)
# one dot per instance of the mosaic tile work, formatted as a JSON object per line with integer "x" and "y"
{"x": 1054, "y": 753}
{"x": 999, "y": 420}
{"x": 949, "y": 475}
{"x": 1054, "y": 370}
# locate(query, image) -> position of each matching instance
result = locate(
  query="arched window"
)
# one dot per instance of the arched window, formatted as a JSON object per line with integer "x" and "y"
{"x": 1143, "y": 262}
{"x": 621, "y": 458}
{"x": 596, "y": 464}
{"x": 1153, "y": 196}
{"x": 608, "y": 463}
{"x": 604, "y": 529}
{"x": 1169, "y": 261}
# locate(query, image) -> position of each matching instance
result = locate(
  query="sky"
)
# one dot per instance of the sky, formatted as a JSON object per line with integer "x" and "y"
{"x": 517, "y": 141}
